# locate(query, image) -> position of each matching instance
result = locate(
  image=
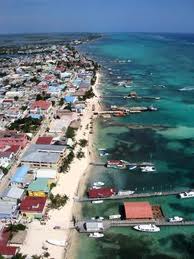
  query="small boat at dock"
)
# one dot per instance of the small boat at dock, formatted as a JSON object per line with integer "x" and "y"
{"x": 98, "y": 183}
{"x": 176, "y": 219}
{"x": 185, "y": 195}
{"x": 122, "y": 192}
{"x": 97, "y": 202}
{"x": 147, "y": 169}
{"x": 147, "y": 228}
{"x": 96, "y": 235}
{"x": 117, "y": 216}
{"x": 132, "y": 167}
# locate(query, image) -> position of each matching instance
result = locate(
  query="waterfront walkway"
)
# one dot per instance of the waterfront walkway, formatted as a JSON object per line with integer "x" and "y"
{"x": 130, "y": 196}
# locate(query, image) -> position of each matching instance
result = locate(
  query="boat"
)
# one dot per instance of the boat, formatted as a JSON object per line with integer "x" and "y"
{"x": 147, "y": 228}
{"x": 97, "y": 202}
{"x": 186, "y": 89}
{"x": 115, "y": 216}
{"x": 175, "y": 219}
{"x": 57, "y": 242}
{"x": 132, "y": 167}
{"x": 125, "y": 192}
{"x": 97, "y": 218}
{"x": 98, "y": 184}
{"x": 147, "y": 169}
{"x": 96, "y": 235}
{"x": 152, "y": 108}
{"x": 185, "y": 195}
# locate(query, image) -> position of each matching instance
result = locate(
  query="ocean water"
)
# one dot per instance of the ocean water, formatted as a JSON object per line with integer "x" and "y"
{"x": 159, "y": 65}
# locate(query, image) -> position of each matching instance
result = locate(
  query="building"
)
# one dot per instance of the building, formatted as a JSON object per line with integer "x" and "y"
{"x": 94, "y": 226}
{"x": 12, "y": 193}
{"x": 101, "y": 192}
{"x": 39, "y": 188}
{"x": 33, "y": 206}
{"x": 50, "y": 174}
{"x": 18, "y": 238}
{"x": 13, "y": 138}
{"x": 44, "y": 156}
{"x": 40, "y": 106}
{"x": 8, "y": 209}
{"x": 138, "y": 210}
{"x": 20, "y": 176}
{"x": 45, "y": 140}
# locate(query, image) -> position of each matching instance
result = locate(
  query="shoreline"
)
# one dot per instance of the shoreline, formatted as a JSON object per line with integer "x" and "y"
{"x": 68, "y": 184}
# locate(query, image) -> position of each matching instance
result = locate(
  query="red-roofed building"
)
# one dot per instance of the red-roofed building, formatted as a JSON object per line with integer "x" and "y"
{"x": 101, "y": 192}
{"x": 45, "y": 140}
{"x": 8, "y": 251}
{"x": 12, "y": 138}
{"x": 33, "y": 206}
{"x": 40, "y": 105}
{"x": 138, "y": 210}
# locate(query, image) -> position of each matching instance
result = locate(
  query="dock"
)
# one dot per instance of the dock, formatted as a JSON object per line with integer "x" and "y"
{"x": 130, "y": 196}
{"x": 126, "y": 163}
{"x": 80, "y": 225}
{"x": 130, "y": 97}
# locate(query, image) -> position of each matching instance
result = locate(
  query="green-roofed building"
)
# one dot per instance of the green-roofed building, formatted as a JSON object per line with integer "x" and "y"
{"x": 39, "y": 187}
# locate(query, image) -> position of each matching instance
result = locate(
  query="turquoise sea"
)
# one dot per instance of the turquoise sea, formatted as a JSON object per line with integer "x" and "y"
{"x": 159, "y": 65}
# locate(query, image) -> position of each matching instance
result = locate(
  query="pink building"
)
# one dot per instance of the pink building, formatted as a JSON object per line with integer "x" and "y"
{"x": 11, "y": 137}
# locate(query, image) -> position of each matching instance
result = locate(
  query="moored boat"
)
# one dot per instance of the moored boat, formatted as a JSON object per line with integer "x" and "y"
{"x": 185, "y": 195}
{"x": 147, "y": 228}
{"x": 122, "y": 192}
{"x": 176, "y": 219}
{"x": 132, "y": 167}
{"x": 98, "y": 184}
{"x": 97, "y": 202}
{"x": 96, "y": 235}
{"x": 147, "y": 169}
{"x": 57, "y": 242}
{"x": 118, "y": 216}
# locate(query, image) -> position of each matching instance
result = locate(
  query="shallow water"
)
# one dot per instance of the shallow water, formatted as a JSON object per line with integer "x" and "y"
{"x": 160, "y": 65}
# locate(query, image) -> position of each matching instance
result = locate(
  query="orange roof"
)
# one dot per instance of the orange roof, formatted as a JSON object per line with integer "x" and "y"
{"x": 138, "y": 210}
{"x": 41, "y": 104}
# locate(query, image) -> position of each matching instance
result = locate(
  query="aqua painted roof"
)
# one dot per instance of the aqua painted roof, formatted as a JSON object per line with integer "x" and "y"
{"x": 40, "y": 184}
{"x": 20, "y": 173}
{"x": 70, "y": 99}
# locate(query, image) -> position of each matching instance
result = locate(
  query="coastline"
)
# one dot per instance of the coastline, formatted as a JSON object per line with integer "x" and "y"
{"x": 68, "y": 184}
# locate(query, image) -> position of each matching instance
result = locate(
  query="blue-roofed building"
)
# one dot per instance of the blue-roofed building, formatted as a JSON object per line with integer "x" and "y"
{"x": 70, "y": 99}
{"x": 35, "y": 116}
{"x": 20, "y": 175}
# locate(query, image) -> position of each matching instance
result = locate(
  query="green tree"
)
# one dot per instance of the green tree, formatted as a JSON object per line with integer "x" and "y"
{"x": 70, "y": 133}
{"x": 83, "y": 142}
{"x": 19, "y": 256}
{"x": 61, "y": 101}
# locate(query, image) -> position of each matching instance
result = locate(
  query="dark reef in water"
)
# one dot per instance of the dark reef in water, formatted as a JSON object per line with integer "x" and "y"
{"x": 118, "y": 246}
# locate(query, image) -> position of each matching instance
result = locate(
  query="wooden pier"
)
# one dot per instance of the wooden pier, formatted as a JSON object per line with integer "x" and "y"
{"x": 138, "y": 164}
{"x": 80, "y": 225}
{"x": 129, "y": 97}
{"x": 130, "y": 196}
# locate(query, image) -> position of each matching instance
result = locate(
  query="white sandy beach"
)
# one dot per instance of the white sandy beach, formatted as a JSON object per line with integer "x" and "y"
{"x": 68, "y": 184}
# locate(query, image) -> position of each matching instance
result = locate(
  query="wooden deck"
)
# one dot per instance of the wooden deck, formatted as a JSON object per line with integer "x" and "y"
{"x": 131, "y": 196}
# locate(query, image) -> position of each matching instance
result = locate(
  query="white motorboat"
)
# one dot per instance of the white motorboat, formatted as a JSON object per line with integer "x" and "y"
{"x": 185, "y": 195}
{"x": 123, "y": 192}
{"x": 98, "y": 184}
{"x": 133, "y": 167}
{"x": 147, "y": 228}
{"x": 57, "y": 242}
{"x": 97, "y": 218}
{"x": 97, "y": 202}
{"x": 176, "y": 219}
{"x": 96, "y": 235}
{"x": 147, "y": 169}
{"x": 115, "y": 216}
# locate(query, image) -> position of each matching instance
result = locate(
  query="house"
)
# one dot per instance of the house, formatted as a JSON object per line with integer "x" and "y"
{"x": 21, "y": 176}
{"x": 8, "y": 209}
{"x": 12, "y": 193}
{"x": 50, "y": 174}
{"x": 59, "y": 126}
{"x": 6, "y": 250}
{"x": 70, "y": 99}
{"x": 18, "y": 238}
{"x": 138, "y": 210}
{"x": 40, "y": 106}
{"x": 39, "y": 188}
{"x": 33, "y": 207}
{"x": 94, "y": 226}
{"x": 44, "y": 156}
{"x": 13, "y": 138}
{"x": 45, "y": 140}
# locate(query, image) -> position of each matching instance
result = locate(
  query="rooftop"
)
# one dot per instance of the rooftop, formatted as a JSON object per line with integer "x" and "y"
{"x": 33, "y": 204}
{"x": 138, "y": 210}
